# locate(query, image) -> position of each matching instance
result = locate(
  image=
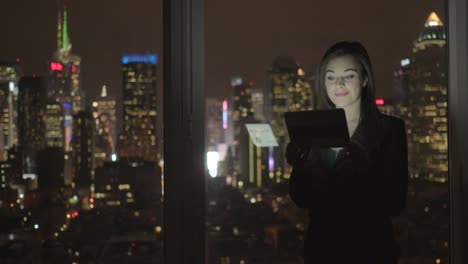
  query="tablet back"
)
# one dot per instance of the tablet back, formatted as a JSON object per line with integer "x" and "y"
{"x": 320, "y": 128}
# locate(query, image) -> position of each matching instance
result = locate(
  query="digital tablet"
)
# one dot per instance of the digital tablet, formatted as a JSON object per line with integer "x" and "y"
{"x": 319, "y": 128}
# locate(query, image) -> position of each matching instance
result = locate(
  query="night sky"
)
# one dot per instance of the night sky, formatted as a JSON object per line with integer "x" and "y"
{"x": 242, "y": 37}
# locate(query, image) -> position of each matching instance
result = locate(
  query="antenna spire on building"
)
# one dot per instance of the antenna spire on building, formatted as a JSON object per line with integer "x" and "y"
{"x": 433, "y": 20}
{"x": 59, "y": 29}
{"x": 63, "y": 39}
{"x": 104, "y": 91}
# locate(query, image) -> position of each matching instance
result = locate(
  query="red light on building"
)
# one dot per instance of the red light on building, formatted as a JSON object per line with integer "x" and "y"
{"x": 56, "y": 66}
{"x": 18, "y": 59}
{"x": 251, "y": 83}
{"x": 73, "y": 68}
{"x": 74, "y": 214}
{"x": 379, "y": 101}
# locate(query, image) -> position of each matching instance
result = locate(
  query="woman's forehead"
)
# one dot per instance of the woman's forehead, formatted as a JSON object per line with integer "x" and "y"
{"x": 344, "y": 62}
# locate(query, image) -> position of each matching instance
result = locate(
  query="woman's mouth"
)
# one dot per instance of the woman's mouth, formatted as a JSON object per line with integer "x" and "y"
{"x": 341, "y": 93}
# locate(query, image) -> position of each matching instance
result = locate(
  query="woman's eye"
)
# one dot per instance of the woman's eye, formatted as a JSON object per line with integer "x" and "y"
{"x": 330, "y": 78}
{"x": 349, "y": 77}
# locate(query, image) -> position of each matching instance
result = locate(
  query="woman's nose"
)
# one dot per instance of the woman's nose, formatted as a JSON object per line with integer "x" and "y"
{"x": 339, "y": 81}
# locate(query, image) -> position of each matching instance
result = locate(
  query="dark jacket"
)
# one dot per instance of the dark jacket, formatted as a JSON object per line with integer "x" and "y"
{"x": 350, "y": 207}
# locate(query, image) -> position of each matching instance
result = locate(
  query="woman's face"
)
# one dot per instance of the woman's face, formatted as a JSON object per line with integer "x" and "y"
{"x": 344, "y": 81}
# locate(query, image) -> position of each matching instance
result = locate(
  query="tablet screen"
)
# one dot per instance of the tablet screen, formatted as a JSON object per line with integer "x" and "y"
{"x": 320, "y": 128}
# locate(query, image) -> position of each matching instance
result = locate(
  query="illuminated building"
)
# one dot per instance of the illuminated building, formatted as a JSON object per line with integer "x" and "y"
{"x": 54, "y": 125}
{"x": 138, "y": 138}
{"x": 401, "y": 84}
{"x": 9, "y": 77}
{"x": 104, "y": 114}
{"x": 427, "y": 102}
{"x": 31, "y": 115}
{"x": 65, "y": 76}
{"x": 242, "y": 113}
{"x": 384, "y": 106}
{"x": 4, "y": 179}
{"x": 248, "y": 161}
{"x": 82, "y": 144}
{"x": 258, "y": 104}
{"x": 253, "y": 160}
{"x": 289, "y": 90}
{"x": 216, "y": 123}
{"x": 127, "y": 181}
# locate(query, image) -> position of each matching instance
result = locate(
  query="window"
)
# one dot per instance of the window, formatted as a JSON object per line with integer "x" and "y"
{"x": 80, "y": 132}
{"x": 250, "y": 217}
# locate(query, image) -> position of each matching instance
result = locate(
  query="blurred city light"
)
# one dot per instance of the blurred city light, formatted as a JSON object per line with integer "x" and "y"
{"x": 212, "y": 158}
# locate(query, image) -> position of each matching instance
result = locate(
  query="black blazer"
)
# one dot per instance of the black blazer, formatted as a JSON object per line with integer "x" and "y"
{"x": 350, "y": 208}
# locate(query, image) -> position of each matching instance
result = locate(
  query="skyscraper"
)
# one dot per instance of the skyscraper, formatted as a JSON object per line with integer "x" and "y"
{"x": 289, "y": 90}
{"x": 258, "y": 104}
{"x": 65, "y": 76}
{"x": 427, "y": 101}
{"x": 242, "y": 113}
{"x": 31, "y": 114}
{"x": 9, "y": 77}
{"x": 138, "y": 138}
{"x": 214, "y": 122}
{"x": 54, "y": 125}
{"x": 104, "y": 114}
{"x": 83, "y": 148}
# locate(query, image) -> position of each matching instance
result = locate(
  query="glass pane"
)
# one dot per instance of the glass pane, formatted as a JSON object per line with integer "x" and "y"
{"x": 81, "y": 132}
{"x": 260, "y": 64}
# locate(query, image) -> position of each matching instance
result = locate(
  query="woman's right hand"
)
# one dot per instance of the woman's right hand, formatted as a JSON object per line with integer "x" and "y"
{"x": 295, "y": 155}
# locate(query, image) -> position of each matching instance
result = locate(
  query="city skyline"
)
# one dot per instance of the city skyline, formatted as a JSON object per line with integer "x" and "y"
{"x": 111, "y": 183}
{"x": 101, "y": 35}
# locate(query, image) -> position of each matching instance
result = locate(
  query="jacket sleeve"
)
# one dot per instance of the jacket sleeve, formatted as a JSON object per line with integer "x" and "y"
{"x": 308, "y": 185}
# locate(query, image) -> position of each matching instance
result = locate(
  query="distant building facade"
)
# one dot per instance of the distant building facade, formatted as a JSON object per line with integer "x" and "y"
{"x": 138, "y": 138}
{"x": 289, "y": 90}
{"x": 427, "y": 104}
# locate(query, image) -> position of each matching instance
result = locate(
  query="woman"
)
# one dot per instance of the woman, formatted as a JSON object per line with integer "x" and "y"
{"x": 352, "y": 192}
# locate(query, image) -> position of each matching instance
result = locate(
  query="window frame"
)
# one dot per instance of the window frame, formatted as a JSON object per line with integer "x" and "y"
{"x": 184, "y": 188}
{"x": 457, "y": 13}
{"x": 184, "y": 132}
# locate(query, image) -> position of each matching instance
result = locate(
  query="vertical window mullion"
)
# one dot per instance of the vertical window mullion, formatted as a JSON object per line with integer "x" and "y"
{"x": 184, "y": 183}
{"x": 458, "y": 127}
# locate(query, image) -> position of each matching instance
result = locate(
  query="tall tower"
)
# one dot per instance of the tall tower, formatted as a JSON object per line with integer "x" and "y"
{"x": 65, "y": 76}
{"x": 54, "y": 125}
{"x": 104, "y": 114}
{"x": 82, "y": 142}
{"x": 214, "y": 122}
{"x": 139, "y": 107}
{"x": 31, "y": 125}
{"x": 9, "y": 77}
{"x": 289, "y": 90}
{"x": 427, "y": 102}
{"x": 242, "y": 113}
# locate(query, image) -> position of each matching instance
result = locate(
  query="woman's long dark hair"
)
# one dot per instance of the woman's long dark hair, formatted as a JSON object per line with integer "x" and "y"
{"x": 370, "y": 114}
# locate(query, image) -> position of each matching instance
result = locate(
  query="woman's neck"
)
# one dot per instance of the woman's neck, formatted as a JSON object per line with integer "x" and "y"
{"x": 353, "y": 114}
